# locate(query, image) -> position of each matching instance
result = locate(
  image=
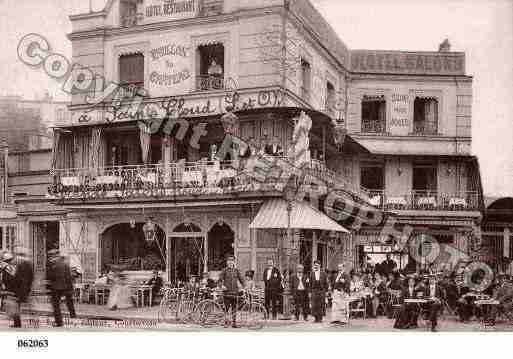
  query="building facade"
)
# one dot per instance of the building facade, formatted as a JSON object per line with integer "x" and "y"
{"x": 136, "y": 179}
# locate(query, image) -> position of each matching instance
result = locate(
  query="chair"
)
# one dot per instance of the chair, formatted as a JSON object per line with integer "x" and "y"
{"x": 361, "y": 307}
{"x": 101, "y": 295}
{"x": 395, "y": 303}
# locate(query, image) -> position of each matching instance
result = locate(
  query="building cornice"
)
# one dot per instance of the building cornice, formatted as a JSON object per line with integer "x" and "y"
{"x": 355, "y": 76}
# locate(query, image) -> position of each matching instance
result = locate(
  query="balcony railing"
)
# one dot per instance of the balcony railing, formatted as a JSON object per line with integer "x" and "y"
{"x": 373, "y": 126}
{"x": 131, "y": 90}
{"x": 425, "y": 200}
{"x": 425, "y": 130}
{"x": 209, "y": 83}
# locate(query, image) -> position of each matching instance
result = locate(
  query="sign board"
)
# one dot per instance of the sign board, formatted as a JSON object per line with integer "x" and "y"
{"x": 399, "y": 114}
{"x": 367, "y": 248}
{"x": 169, "y": 10}
{"x": 398, "y": 62}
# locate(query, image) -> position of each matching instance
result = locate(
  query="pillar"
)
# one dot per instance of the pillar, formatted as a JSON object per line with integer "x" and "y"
{"x": 314, "y": 246}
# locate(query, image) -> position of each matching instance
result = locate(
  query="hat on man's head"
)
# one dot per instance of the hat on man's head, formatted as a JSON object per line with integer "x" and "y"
{"x": 317, "y": 262}
{"x": 300, "y": 266}
{"x": 53, "y": 252}
{"x": 7, "y": 257}
{"x": 230, "y": 257}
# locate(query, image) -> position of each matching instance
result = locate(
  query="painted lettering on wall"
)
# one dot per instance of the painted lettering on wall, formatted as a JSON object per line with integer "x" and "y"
{"x": 399, "y": 112}
{"x": 169, "y": 50}
{"x": 169, "y": 79}
{"x": 405, "y": 62}
{"x": 171, "y": 8}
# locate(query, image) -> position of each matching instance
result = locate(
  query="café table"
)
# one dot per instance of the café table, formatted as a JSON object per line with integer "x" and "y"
{"x": 487, "y": 306}
{"x": 101, "y": 294}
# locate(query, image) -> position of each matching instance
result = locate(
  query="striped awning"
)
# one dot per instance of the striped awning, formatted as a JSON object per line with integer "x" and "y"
{"x": 273, "y": 215}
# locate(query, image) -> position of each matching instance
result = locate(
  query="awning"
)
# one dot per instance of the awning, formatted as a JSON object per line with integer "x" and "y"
{"x": 273, "y": 215}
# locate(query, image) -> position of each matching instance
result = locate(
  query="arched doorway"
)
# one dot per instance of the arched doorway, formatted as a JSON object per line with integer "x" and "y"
{"x": 124, "y": 247}
{"x": 186, "y": 255}
{"x": 221, "y": 241}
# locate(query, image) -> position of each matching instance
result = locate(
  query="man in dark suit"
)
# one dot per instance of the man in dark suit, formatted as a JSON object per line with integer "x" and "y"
{"x": 156, "y": 284}
{"x": 388, "y": 265}
{"x": 299, "y": 291}
{"x": 318, "y": 284}
{"x": 434, "y": 293}
{"x": 274, "y": 148}
{"x": 61, "y": 285}
{"x": 272, "y": 284}
{"x": 409, "y": 312}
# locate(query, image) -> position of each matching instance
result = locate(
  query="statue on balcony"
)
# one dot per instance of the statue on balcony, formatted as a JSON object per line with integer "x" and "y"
{"x": 230, "y": 122}
{"x": 215, "y": 69}
{"x": 339, "y": 134}
{"x": 301, "y": 139}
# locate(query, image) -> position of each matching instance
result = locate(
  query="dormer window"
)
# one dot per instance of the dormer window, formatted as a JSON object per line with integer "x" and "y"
{"x": 210, "y": 60}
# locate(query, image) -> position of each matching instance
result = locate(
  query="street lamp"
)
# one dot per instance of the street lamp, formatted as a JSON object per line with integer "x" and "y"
{"x": 289, "y": 197}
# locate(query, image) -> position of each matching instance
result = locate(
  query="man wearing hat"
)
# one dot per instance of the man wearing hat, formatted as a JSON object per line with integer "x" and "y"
{"x": 318, "y": 284}
{"x": 11, "y": 303}
{"x": 156, "y": 284}
{"x": 229, "y": 280}
{"x": 61, "y": 285}
{"x": 434, "y": 293}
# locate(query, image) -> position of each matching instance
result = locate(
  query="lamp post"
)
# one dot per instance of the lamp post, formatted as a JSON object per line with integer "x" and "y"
{"x": 289, "y": 197}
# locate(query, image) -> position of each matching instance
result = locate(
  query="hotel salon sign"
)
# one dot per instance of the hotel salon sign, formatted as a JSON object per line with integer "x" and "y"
{"x": 166, "y": 10}
{"x": 396, "y": 62}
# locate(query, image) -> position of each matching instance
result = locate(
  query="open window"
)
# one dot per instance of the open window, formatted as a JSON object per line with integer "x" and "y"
{"x": 372, "y": 177}
{"x": 131, "y": 73}
{"x": 129, "y": 16}
{"x": 425, "y": 177}
{"x": 330, "y": 99}
{"x": 373, "y": 114}
{"x": 211, "y": 67}
{"x": 425, "y": 116}
{"x": 306, "y": 79}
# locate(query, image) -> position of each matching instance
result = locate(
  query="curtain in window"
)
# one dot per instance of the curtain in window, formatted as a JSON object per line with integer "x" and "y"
{"x": 145, "y": 138}
{"x": 431, "y": 116}
{"x": 131, "y": 69}
{"x": 55, "y": 148}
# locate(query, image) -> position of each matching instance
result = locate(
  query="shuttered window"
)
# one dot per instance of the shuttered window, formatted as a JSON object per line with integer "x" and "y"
{"x": 131, "y": 69}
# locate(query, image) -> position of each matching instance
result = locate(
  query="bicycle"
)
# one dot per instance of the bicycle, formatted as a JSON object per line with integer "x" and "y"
{"x": 181, "y": 304}
{"x": 251, "y": 313}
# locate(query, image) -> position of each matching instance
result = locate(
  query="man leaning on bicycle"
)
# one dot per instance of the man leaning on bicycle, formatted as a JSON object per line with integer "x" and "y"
{"x": 229, "y": 281}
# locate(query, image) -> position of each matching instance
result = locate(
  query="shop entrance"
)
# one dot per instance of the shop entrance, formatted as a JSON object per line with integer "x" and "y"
{"x": 186, "y": 253}
{"x": 123, "y": 247}
{"x": 221, "y": 241}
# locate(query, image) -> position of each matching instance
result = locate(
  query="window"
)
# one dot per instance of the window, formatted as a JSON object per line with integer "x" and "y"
{"x": 425, "y": 178}
{"x": 330, "y": 99}
{"x": 373, "y": 114}
{"x": 123, "y": 148}
{"x": 306, "y": 78}
{"x": 372, "y": 177}
{"x": 210, "y": 66}
{"x": 131, "y": 73}
{"x": 7, "y": 237}
{"x": 129, "y": 15}
{"x": 425, "y": 116}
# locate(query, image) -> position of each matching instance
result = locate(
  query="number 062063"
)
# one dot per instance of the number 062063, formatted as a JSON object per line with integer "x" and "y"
{"x": 32, "y": 343}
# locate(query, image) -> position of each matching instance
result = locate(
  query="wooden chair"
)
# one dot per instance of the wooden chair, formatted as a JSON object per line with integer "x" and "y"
{"x": 359, "y": 306}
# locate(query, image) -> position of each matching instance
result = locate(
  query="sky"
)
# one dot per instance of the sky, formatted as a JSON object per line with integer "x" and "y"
{"x": 483, "y": 29}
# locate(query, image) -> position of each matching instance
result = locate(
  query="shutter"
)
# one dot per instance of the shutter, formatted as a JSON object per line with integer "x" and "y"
{"x": 131, "y": 69}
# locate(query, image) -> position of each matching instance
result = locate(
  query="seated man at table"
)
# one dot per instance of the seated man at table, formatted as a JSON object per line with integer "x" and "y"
{"x": 156, "y": 284}
{"x": 504, "y": 294}
{"x": 409, "y": 313}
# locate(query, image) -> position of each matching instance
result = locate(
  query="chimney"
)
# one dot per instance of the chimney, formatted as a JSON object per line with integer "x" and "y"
{"x": 445, "y": 46}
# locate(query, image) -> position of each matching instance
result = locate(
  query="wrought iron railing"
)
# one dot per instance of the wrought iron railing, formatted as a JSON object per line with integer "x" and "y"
{"x": 209, "y": 83}
{"x": 373, "y": 126}
{"x": 425, "y": 200}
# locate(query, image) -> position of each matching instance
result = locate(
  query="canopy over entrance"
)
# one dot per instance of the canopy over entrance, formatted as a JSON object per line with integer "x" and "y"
{"x": 273, "y": 215}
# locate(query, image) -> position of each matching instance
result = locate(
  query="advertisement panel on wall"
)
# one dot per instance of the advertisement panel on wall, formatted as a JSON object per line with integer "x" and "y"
{"x": 169, "y": 10}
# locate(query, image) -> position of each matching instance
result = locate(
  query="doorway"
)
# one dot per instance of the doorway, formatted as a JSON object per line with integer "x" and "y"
{"x": 221, "y": 241}
{"x": 45, "y": 237}
{"x": 186, "y": 256}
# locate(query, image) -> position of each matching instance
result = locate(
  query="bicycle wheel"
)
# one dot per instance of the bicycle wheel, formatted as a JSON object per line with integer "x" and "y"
{"x": 185, "y": 310}
{"x": 198, "y": 311}
{"x": 252, "y": 316}
{"x": 212, "y": 314}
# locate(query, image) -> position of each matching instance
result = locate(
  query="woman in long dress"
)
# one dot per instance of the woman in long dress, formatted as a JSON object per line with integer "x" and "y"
{"x": 340, "y": 306}
{"x": 120, "y": 296}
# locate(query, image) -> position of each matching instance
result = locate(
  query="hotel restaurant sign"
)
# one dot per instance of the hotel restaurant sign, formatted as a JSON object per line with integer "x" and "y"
{"x": 166, "y": 10}
{"x": 414, "y": 63}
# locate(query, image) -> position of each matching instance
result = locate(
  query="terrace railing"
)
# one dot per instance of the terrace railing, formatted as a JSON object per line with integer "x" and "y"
{"x": 425, "y": 200}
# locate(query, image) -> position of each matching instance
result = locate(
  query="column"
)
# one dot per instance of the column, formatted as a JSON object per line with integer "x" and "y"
{"x": 205, "y": 253}
{"x": 314, "y": 246}
{"x": 506, "y": 242}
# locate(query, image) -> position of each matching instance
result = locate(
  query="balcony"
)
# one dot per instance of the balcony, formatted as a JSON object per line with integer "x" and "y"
{"x": 211, "y": 7}
{"x": 424, "y": 130}
{"x": 209, "y": 83}
{"x": 128, "y": 91}
{"x": 425, "y": 200}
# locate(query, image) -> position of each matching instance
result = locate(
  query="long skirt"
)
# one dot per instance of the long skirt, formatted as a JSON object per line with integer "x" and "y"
{"x": 340, "y": 308}
{"x": 120, "y": 297}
